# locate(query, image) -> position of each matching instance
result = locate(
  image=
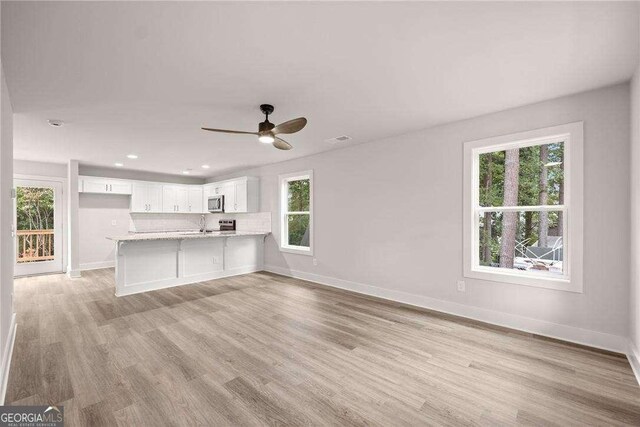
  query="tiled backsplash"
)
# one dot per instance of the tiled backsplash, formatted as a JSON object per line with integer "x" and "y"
{"x": 140, "y": 222}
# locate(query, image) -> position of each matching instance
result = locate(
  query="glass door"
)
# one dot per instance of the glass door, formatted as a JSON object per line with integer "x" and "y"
{"x": 38, "y": 227}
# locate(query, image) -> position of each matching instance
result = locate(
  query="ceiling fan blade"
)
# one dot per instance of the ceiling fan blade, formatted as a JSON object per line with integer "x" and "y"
{"x": 230, "y": 131}
{"x": 281, "y": 144}
{"x": 291, "y": 126}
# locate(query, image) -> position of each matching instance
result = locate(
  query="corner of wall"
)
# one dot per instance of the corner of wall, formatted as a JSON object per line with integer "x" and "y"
{"x": 634, "y": 226}
{"x": 7, "y": 254}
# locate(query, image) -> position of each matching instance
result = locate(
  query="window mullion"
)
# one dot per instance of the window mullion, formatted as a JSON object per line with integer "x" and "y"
{"x": 541, "y": 208}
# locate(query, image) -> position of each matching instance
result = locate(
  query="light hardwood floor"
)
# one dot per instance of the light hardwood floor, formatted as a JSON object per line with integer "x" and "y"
{"x": 265, "y": 349}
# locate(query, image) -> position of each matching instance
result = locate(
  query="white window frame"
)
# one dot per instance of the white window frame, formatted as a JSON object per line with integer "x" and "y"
{"x": 284, "y": 180}
{"x": 572, "y": 279}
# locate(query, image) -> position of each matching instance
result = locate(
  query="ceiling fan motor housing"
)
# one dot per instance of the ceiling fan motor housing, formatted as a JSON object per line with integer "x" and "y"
{"x": 265, "y": 126}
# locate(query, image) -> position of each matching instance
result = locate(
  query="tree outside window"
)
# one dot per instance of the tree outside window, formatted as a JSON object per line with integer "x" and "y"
{"x": 296, "y": 221}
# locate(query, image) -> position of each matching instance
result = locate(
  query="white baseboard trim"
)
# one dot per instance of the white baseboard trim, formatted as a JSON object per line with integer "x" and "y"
{"x": 572, "y": 334}
{"x": 634, "y": 360}
{"x": 97, "y": 265}
{"x": 74, "y": 274}
{"x": 6, "y": 358}
{"x": 179, "y": 281}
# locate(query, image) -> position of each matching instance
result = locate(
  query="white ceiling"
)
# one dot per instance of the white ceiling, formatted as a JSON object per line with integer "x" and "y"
{"x": 144, "y": 77}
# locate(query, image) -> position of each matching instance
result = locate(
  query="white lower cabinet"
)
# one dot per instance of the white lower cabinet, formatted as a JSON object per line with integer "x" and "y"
{"x": 146, "y": 198}
{"x": 184, "y": 261}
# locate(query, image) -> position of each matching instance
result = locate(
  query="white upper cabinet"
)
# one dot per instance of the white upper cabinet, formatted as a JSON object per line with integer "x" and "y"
{"x": 195, "y": 199}
{"x": 146, "y": 197}
{"x": 229, "y": 191}
{"x": 89, "y": 184}
{"x": 182, "y": 199}
{"x": 175, "y": 198}
{"x": 240, "y": 195}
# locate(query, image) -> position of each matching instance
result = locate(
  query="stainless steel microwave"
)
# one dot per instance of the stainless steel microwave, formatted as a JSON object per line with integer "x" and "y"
{"x": 216, "y": 203}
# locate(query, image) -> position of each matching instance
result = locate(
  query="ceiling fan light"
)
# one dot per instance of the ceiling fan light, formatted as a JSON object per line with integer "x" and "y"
{"x": 266, "y": 139}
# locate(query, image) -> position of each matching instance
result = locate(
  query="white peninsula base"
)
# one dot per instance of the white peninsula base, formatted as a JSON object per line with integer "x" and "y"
{"x": 144, "y": 263}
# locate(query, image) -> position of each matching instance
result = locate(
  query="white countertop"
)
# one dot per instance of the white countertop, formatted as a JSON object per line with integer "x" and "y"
{"x": 181, "y": 235}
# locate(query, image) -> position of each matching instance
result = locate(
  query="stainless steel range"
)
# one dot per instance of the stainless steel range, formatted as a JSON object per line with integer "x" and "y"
{"x": 227, "y": 224}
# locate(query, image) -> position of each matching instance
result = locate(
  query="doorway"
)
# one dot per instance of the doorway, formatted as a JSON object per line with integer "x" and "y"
{"x": 38, "y": 230}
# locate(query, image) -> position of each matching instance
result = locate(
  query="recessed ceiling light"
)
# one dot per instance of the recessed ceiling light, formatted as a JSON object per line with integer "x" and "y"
{"x": 132, "y": 156}
{"x": 205, "y": 166}
{"x": 55, "y": 123}
{"x": 186, "y": 171}
{"x": 118, "y": 164}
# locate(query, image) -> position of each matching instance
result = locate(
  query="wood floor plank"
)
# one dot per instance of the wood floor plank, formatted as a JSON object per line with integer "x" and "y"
{"x": 263, "y": 349}
{"x": 55, "y": 374}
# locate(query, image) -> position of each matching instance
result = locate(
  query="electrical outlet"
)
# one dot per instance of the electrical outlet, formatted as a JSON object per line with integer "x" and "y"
{"x": 315, "y": 261}
{"x": 113, "y": 222}
{"x": 215, "y": 260}
{"x": 461, "y": 286}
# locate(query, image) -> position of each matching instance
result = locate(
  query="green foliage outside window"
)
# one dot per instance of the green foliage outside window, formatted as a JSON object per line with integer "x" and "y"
{"x": 532, "y": 165}
{"x": 298, "y": 200}
{"x": 34, "y": 211}
{"x": 34, "y": 208}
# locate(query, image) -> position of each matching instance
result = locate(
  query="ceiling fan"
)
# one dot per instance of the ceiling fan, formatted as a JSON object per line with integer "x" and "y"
{"x": 267, "y": 131}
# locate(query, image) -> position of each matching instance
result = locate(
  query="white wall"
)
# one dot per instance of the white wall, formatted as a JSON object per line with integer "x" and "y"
{"x": 28, "y": 167}
{"x": 388, "y": 214}
{"x": 95, "y": 215}
{"x": 6, "y": 239}
{"x": 138, "y": 175}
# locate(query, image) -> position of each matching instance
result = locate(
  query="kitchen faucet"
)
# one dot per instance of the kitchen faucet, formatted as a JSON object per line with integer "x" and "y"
{"x": 203, "y": 224}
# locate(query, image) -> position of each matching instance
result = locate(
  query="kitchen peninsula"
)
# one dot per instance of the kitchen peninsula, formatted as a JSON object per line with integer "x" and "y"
{"x": 149, "y": 261}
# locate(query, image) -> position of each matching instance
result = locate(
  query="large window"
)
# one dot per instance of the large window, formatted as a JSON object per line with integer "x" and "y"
{"x": 523, "y": 208}
{"x": 296, "y": 226}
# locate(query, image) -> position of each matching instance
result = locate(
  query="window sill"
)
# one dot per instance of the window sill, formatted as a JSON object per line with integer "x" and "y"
{"x": 495, "y": 275}
{"x": 299, "y": 250}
